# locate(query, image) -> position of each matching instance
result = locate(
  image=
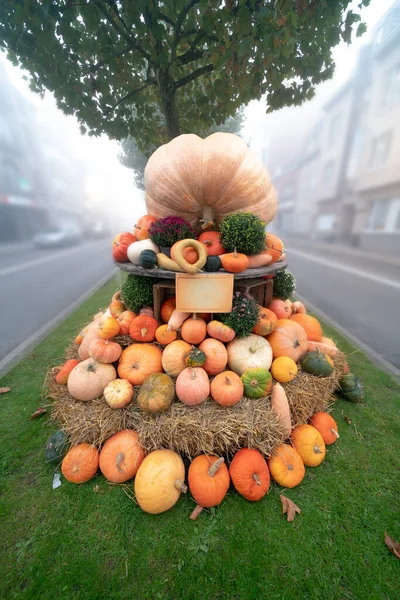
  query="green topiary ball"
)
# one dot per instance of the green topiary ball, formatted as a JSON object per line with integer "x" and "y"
{"x": 137, "y": 292}
{"x": 284, "y": 284}
{"x": 244, "y": 314}
{"x": 243, "y": 231}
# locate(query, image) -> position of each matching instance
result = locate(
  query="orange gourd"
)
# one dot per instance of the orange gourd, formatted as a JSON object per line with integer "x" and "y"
{"x": 234, "y": 262}
{"x": 138, "y": 361}
{"x": 286, "y": 466}
{"x": 120, "y": 246}
{"x": 176, "y": 319}
{"x": 143, "y": 328}
{"x": 282, "y": 308}
{"x": 142, "y": 227}
{"x": 324, "y": 348}
{"x": 118, "y": 393}
{"x": 174, "y": 357}
{"x": 326, "y": 425}
{"x": 288, "y": 339}
{"x": 105, "y": 351}
{"x": 227, "y": 388}
{"x": 259, "y": 260}
{"x": 298, "y": 308}
{"x": 311, "y": 326}
{"x": 194, "y": 330}
{"x": 280, "y": 406}
{"x": 249, "y": 473}
{"x": 121, "y": 456}
{"x": 167, "y": 308}
{"x": 108, "y": 327}
{"x": 192, "y": 386}
{"x": 220, "y": 331}
{"x": 164, "y": 336}
{"x": 116, "y": 308}
{"x": 216, "y": 356}
{"x": 266, "y": 322}
{"x": 208, "y": 479}
{"x": 63, "y": 373}
{"x": 274, "y": 247}
{"x": 80, "y": 463}
{"x": 309, "y": 444}
{"x": 212, "y": 242}
{"x": 125, "y": 319}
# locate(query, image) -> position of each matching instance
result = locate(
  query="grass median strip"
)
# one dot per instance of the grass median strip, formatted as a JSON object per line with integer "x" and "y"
{"x": 92, "y": 541}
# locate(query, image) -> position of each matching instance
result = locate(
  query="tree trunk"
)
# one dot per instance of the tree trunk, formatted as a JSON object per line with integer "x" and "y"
{"x": 168, "y": 103}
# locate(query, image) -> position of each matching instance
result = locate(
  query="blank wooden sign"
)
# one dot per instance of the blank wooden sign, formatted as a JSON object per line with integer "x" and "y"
{"x": 204, "y": 292}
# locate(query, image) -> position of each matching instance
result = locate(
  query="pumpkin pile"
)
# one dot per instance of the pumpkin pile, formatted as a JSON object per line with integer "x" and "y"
{"x": 137, "y": 379}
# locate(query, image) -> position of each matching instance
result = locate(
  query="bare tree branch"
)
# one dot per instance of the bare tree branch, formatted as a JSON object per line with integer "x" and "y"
{"x": 194, "y": 75}
{"x": 129, "y": 95}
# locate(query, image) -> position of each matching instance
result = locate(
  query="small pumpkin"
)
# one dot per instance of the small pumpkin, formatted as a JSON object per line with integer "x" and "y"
{"x": 286, "y": 466}
{"x": 213, "y": 264}
{"x": 125, "y": 319}
{"x": 141, "y": 229}
{"x": 274, "y": 247}
{"x": 316, "y": 363}
{"x": 220, "y": 331}
{"x": 105, "y": 351}
{"x": 211, "y": 240}
{"x": 311, "y": 326}
{"x": 156, "y": 393}
{"x": 56, "y": 447}
{"x": 326, "y": 425}
{"x": 89, "y": 378}
{"x": 250, "y": 352}
{"x": 283, "y": 369}
{"x": 135, "y": 250}
{"x": 266, "y": 322}
{"x": 174, "y": 357}
{"x": 216, "y": 356}
{"x": 227, "y": 388}
{"x": 195, "y": 358}
{"x": 80, "y": 336}
{"x": 288, "y": 339}
{"x": 280, "y": 406}
{"x": 121, "y": 456}
{"x": 138, "y": 361}
{"x": 159, "y": 481}
{"x": 208, "y": 479}
{"x": 250, "y": 474}
{"x": 194, "y": 330}
{"x": 298, "y": 308}
{"x": 118, "y": 393}
{"x": 116, "y": 308}
{"x": 108, "y": 327}
{"x": 309, "y": 444}
{"x": 120, "y": 246}
{"x": 256, "y": 382}
{"x": 147, "y": 310}
{"x": 63, "y": 373}
{"x": 282, "y": 308}
{"x": 234, "y": 262}
{"x": 192, "y": 386}
{"x": 148, "y": 259}
{"x": 167, "y": 308}
{"x": 350, "y": 387}
{"x": 80, "y": 463}
{"x": 143, "y": 328}
{"x": 91, "y": 334}
{"x": 164, "y": 336}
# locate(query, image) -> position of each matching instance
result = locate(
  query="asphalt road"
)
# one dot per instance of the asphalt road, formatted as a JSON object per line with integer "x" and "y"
{"x": 36, "y": 285}
{"x": 360, "y": 295}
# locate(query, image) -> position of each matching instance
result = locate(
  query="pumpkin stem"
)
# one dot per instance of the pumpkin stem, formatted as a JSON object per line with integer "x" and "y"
{"x": 317, "y": 450}
{"x": 196, "y": 512}
{"x": 143, "y": 331}
{"x": 335, "y": 432}
{"x": 256, "y": 479}
{"x": 169, "y": 328}
{"x": 215, "y": 466}
{"x": 228, "y": 381}
{"x": 296, "y": 343}
{"x": 194, "y": 315}
{"x": 120, "y": 458}
{"x": 193, "y": 376}
{"x": 290, "y": 467}
{"x": 179, "y": 485}
{"x": 235, "y": 253}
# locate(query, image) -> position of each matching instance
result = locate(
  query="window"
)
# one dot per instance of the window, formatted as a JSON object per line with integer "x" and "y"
{"x": 325, "y": 223}
{"x": 391, "y": 91}
{"x": 378, "y": 215}
{"x": 327, "y": 173}
{"x": 380, "y": 150}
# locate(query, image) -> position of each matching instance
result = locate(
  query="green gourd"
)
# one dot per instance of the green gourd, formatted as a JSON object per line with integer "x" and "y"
{"x": 148, "y": 259}
{"x": 195, "y": 358}
{"x": 213, "y": 264}
{"x": 56, "y": 447}
{"x": 256, "y": 382}
{"x": 316, "y": 363}
{"x": 350, "y": 388}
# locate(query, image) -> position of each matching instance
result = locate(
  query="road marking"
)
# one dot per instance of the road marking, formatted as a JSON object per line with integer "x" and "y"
{"x": 11, "y": 359}
{"x": 373, "y": 356}
{"x": 346, "y": 269}
{"x": 38, "y": 261}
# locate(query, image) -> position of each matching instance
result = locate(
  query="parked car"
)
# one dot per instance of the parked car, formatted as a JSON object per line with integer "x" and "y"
{"x": 58, "y": 237}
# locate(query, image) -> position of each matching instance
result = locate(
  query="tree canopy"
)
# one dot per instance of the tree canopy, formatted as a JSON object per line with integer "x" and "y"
{"x": 150, "y": 69}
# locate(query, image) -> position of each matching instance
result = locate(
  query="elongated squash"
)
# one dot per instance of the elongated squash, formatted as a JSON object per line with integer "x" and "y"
{"x": 176, "y": 319}
{"x": 167, "y": 263}
{"x": 280, "y": 406}
{"x": 259, "y": 260}
{"x": 177, "y": 250}
{"x": 324, "y": 348}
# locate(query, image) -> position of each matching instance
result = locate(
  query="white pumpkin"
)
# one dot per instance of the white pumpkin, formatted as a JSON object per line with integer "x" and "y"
{"x": 88, "y": 379}
{"x": 134, "y": 250}
{"x": 251, "y": 352}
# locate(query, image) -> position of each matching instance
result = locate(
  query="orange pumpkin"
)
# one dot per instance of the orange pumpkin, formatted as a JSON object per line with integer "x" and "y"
{"x": 216, "y": 356}
{"x": 121, "y": 456}
{"x": 108, "y": 327}
{"x": 249, "y": 473}
{"x": 91, "y": 334}
{"x": 125, "y": 319}
{"x": 286, "y": 466}
{"x": 298, "y": 307}
{"x": 174, "y": 357}
{"x": 143, "y": 328}
{"x": 192, "y": 386}
{"x": 288, "y": 339}
{"x": 194, "y": 330}
{"x": 164, "y": 336}
{"x": 309, "y": 444}
{"x": 142, "y": 227}
{"x": 80, "y": 463}
{"x": 234, "y": 262}
{"x": 220, "y": 331}
{"x": 282, "y": 308}
{"x": 190, "y": 254}
{"x": 274, "y": 247}
{"x": 118, "y": 393}
{"x": 167, "y": 308}
{"x": 227, "y": 388}
{"x": 63, "y": 373}
{"x": 212, "y": 242}
{"x": 105, "y": 351}
{"x": 116, "y": 308}
{"x": 326, "y": 425}
{"x": 138, "y": 361}
{"x": 266, "y": 322}
{"x": 80, "y": 336}
{"x": 208, "y": 479}
{"x": 120, "y": 246}
{"x": 311, "y": 326}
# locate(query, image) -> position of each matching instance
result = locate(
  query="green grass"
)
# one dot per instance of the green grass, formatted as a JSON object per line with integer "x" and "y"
{"x": 79, "y": 543}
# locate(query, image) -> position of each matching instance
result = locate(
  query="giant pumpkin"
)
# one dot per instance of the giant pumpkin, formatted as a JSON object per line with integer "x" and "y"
{"x": 207, "y": 179}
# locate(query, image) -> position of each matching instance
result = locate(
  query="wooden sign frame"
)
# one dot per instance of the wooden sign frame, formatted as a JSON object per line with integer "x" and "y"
{"x": 204, "y": 292}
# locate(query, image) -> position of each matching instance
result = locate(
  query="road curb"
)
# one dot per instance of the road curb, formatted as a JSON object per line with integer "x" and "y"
{"x": 20, "y": 351}
{"x": 373, "y": 356}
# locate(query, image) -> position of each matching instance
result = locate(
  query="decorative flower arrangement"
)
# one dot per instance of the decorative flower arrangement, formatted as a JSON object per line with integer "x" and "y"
{"x": 165, "y": 232}
{"x": 244, "y": 314}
